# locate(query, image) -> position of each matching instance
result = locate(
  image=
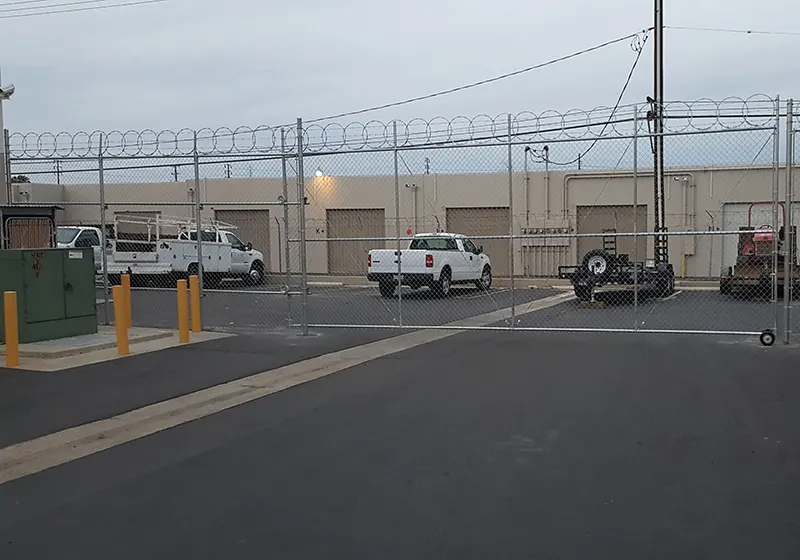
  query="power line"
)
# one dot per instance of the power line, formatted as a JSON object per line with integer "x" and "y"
{"x": 483, "y": 82}
{"x": 29, "y": 8}
{"x": 741, "y": 31}
{"x": 636, "y": 36}
{"x": 87, "y": 9}
{"x": 639, "y": 47}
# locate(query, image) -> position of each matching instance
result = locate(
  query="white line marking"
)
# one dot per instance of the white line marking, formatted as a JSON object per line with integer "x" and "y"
{"x": 55, "y": 449}
{"x": 673, "y": 296}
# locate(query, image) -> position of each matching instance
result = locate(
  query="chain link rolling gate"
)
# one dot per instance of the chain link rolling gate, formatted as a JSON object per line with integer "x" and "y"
{"x": 562, "y": 205}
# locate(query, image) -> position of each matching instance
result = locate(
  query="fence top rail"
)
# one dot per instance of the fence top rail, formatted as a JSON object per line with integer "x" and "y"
{"x": 549, "y": 235}
{"x": 732, "y": 113}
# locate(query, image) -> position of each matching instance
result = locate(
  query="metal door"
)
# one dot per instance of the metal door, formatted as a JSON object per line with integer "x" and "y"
{"x": 477, "y": 221}
{"x": 79, "y": 289}
{"x": 44, "y": 289}
{"x": 597, "y": 219}
{"x": 350, "y": 257}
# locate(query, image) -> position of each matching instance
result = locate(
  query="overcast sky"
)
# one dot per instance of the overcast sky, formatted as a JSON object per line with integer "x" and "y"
{"x": 198, "y": 63}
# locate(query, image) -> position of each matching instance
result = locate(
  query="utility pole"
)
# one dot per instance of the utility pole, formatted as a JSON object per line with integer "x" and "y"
{"x": 657, "y": 116}
{"x": 175, "y": 173}
{"x": 227, "y": 170}
{"x": 58, "y": 171}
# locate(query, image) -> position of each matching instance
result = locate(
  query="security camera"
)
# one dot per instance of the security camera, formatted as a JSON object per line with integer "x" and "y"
{"x": 7, "y": 91}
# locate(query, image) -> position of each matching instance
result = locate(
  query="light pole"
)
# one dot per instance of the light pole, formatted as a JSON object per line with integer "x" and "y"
{"x": 5, "y": 174}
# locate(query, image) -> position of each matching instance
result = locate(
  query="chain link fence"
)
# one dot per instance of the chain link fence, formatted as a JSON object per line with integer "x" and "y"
{"x": 524, "y": 222}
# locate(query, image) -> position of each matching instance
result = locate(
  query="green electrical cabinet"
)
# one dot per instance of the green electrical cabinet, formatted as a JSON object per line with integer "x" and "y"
{"x": 55, "y": 292}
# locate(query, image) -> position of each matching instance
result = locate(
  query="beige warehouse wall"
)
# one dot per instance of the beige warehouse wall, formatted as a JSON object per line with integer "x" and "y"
{"x": 688, "y": 203}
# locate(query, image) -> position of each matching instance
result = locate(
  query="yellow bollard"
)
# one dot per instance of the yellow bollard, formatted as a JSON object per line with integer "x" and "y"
{"x": 126, "y": 284}
{"x": 12, "y": 328}
{"x": 194, "y": 302}
{"x": 120, "y": 320}
{"x": 183, "y": 311}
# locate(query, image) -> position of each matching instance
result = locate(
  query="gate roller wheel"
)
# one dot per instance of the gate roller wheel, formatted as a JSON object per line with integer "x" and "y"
{"x": 767, "y": 338}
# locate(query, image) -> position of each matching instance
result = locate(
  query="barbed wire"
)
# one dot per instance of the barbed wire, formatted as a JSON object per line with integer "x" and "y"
{"x": 702, "y": 115}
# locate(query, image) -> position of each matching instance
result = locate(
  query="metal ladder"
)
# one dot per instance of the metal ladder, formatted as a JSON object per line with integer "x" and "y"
{"x": 610, "y": 241}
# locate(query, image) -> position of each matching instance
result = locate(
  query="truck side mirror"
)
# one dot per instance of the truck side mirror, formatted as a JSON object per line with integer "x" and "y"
{"x": 249, "y": 246}
{"x": 480, "y": 249}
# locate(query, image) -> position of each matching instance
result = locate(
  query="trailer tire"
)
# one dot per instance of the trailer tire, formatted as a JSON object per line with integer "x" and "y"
{"x": 583, "y": 293}
{"x": 666, "y": 285}
{"x": 767, "y": 338}
{"x": 598, "y": 264}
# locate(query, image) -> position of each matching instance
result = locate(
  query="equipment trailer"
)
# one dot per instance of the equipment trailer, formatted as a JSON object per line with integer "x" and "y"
{"x": 603, "y": 270}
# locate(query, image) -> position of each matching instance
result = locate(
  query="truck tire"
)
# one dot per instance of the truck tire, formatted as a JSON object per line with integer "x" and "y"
{"x": 256, "y": 275}
{"x": 485, "y": 281}
{"x": 386, "y": 289}
{"x": 442, "y": 287}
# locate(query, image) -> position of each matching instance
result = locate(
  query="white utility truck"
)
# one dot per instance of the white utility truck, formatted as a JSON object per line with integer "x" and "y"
{"x": 168, "y": 249}
{"x": 436, "y": 260}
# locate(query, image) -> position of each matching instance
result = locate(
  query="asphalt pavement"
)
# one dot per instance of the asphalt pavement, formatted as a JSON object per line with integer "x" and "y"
{"x": 248, "y": 310}
{"x": 683, "y": 310}
{"x": 482, "y": 445}
{"x": 35, "y": 404}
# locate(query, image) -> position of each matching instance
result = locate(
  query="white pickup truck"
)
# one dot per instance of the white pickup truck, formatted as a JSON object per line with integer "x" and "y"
{"x": 436, "y": 260}
{"x": 224, "y": 255}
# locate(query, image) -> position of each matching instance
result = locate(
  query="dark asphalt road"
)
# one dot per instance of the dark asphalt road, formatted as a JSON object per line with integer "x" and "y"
{"x": 33, "y": 404}
{"x": 243, "y": 311}
{"x": 484, "y": 445}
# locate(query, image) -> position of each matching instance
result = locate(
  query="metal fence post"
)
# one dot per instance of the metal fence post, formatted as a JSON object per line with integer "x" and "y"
{"x": 397, "y": 224}
{"x": 198, "y": 219}
{"x": 103, "y": 229}
{"x": 511, "y": 226}
{"x": 636, "y": 216}
{"x": 301, "y": 200}
{"x": 775, "y": 181}
{"x": 287, "y": 252}
{"x": 788, "y": 253}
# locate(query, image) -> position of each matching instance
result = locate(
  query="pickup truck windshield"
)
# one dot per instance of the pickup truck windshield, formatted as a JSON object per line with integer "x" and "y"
{"x": 66, "y": 235}
{"x": 434, "y": 244}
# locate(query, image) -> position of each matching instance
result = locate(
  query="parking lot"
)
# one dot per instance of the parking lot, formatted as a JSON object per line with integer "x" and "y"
{"x": 683, "y": 310}
{"x": 242, "y": 310}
